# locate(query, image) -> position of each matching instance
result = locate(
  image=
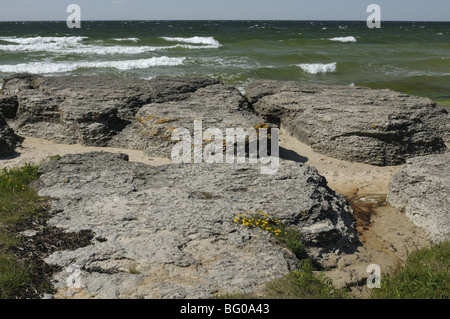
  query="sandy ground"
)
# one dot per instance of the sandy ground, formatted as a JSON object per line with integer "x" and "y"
{"x": 387, "y": 236}
{"x": 36, "y": 150}
{"x": 345, "y": 177}
{"x": 342, "y": 176}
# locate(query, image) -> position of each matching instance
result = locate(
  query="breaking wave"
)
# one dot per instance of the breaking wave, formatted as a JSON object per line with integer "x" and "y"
{"x": 62, "y": 67}
{"x": 74, "y": 45}
{"x": 209, "y": 41}
{"x": 315, "y": 68}
{"x": 344, "y": 39}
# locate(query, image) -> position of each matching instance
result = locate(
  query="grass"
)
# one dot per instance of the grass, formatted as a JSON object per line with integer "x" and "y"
{"x": 18, "y": 203}
{"x": 18, "y": 200}
{"x": 304, "y": 284}
{"x": 426, "y": 275}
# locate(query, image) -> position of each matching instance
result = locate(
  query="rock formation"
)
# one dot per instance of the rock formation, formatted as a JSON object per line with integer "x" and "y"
{"x": 421, "y": 190}
{"x": 121, "y": 112}
{"x": 169, "y": 232}
{"x": 378, "y": 127}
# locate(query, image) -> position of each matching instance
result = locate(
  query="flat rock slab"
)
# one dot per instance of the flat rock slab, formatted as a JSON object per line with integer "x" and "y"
{"x": 170, "y": 231}
{"x": 421, "y": 190}
{"x": 378, "y": 127}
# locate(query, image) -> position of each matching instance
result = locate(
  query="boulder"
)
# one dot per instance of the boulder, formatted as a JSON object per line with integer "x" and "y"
{"x": 421, "y": 190}
{"x": 217, "y": 106}
{"x": 122, "y": 112}
{"x": 170, "y": 231}
{"x": 378, "y": 127}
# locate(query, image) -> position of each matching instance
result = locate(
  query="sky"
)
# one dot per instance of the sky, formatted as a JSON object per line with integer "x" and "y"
{"x": 404, "y": 10}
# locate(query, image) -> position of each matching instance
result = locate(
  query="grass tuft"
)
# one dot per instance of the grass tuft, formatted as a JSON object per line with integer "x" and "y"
{"x": 18, "y": 203}
{"x": 426, "y": 275}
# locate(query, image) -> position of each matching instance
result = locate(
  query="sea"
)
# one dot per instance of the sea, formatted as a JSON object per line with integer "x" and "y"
{"x": 410, "y": 57}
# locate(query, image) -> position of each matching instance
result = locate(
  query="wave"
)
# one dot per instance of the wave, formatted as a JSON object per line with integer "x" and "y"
{"x": 126, "y": 39}
{"x": 93, "y": 49}
{"x": 44, "y": 40}
{"x": 62, "y": 67}
{"x": 36, "y": 44}
{"x": 73, "y": 45}
{"x": 126, "y": 50}
{"x": 344, "y": 39}
{"x": 314, "y": 68}
{"x": 209, "y": 41}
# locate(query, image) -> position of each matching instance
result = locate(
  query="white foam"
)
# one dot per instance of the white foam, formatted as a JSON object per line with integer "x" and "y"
{"x": 112, "y": 50}
{"x": 62, "y": 67}
{"x": 315, "y": 68}
{"x": 36, "y": 44}
{"x": 209, "y": 41}
{"x": 44, "y": 40}
{"x": 126, "y": 39}
{"x": 344, "y": 39}
{"x": 67, "y": 47}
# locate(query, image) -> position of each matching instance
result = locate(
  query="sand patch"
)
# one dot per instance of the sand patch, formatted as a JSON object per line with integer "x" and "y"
{"x": 35, "y": 150}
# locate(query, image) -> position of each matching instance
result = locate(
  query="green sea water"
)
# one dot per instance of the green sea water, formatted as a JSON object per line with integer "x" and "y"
{"x": 411, "y": 57}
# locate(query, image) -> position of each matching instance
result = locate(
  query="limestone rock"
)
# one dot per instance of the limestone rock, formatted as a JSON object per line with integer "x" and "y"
{"x": 122, "y": 112}
{"x": 216, "y": 106}
{"x": 378, "y": 127}
{"x": 169, "y": 232}
{"x": 422, "y": 191}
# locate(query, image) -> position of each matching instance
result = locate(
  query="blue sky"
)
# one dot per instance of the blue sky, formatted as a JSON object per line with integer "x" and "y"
{"x": 415, "y": 10}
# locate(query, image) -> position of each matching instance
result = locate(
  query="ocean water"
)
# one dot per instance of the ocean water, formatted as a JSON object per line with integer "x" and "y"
{"x": 411, "y": 57}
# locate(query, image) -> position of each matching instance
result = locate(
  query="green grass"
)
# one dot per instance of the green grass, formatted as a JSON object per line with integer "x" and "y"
{"x": 18, "y": 203}
{"x": 426, "y": 275}
{"x": 304, "y": 284}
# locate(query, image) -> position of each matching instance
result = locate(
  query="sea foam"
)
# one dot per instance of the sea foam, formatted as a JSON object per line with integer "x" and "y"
{"x": 61, "y": 67}
{"x": 74, "y": 45}
{"x": 43, "y": 40}
{"x": 126, "y": 39}
{"x": 344, "y": 39}
{"x": 314, "y": 68}
{"x": 209, "y": 41}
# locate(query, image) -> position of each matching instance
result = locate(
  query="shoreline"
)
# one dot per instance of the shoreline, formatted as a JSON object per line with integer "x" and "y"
{"x": 385, "y": 236}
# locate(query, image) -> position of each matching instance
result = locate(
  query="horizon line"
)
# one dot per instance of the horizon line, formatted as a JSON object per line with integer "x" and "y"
{"x": 241, "y": 20}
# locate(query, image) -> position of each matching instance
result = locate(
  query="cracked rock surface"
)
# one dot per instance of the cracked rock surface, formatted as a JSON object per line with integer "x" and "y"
{"x": 421, "y": 190}
{"x": 169, "y": 231}
{"x": 377, "y": 127}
